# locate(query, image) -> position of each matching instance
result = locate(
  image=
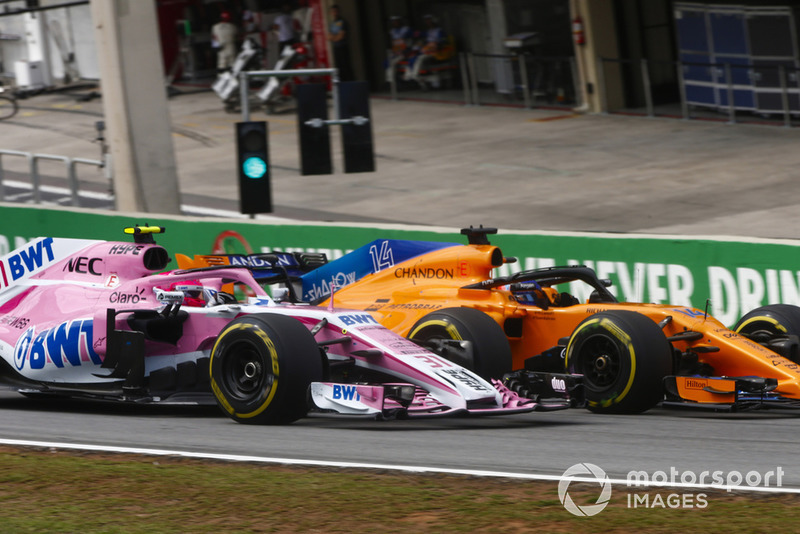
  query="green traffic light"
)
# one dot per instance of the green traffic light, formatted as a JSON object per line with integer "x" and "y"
{"x": 254, "y": 167}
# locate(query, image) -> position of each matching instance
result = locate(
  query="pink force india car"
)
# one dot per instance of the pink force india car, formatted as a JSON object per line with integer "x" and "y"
{"x": 98, "y": 319}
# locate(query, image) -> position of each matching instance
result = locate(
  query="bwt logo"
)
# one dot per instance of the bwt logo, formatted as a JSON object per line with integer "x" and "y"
{"x": 355, "y": 320}
{"x": 347, "y": 393}
{"x": 70, "y": 342}
{"x": 27, "y": 260}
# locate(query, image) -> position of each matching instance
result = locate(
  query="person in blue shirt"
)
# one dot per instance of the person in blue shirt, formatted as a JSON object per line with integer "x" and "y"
{"x": 433, "y": 46}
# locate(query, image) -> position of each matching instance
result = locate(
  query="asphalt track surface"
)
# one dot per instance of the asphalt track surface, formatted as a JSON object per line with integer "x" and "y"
{"x": 537, "y": 443}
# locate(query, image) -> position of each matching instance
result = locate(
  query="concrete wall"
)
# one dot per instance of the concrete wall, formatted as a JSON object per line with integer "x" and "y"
{"x": 601, "y": 41}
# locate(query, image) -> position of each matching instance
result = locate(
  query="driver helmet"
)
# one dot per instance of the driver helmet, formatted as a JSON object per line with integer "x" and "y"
{"x": 192, "y": 292}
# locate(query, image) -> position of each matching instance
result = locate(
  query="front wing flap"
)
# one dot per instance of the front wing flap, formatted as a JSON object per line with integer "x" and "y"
{"x": 729, "y": 394}
{"x": 393, "y": 401}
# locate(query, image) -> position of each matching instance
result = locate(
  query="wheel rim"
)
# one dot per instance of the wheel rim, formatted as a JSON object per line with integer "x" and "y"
{"x": 244, "y": 372}
{"x": 761, "y": 330}
{"x": 599, "y": 362}
{"x": 761, "y": 335}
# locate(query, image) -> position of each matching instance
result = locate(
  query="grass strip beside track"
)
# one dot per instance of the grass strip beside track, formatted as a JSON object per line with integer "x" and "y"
{"x": 67, "y": 491}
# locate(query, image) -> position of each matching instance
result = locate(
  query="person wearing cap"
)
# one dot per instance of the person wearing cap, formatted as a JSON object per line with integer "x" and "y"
{"x": 223, "y": 37}
{"x": 400, "y": 36}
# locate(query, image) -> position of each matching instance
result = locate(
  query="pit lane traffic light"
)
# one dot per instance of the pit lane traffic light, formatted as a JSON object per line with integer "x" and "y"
{"x": 255, "y": 195}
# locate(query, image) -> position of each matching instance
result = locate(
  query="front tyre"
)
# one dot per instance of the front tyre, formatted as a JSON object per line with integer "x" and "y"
{"x": 769, "y": 325}
{"x": 488, "y": 355}
{"x": 774, "y": 320}
{"x": 261, "y": 368}
{"x": 623, "y": 357}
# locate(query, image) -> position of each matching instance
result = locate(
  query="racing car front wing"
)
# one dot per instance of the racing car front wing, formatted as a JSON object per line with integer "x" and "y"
{"x": 399, "y": 401}
{"x": 728, "y": 394}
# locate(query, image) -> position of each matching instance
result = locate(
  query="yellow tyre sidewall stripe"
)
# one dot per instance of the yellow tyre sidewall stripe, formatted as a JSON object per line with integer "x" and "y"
{"x": 273, "y": 354}
{"x": 774, "y": 322}
{"x": 449, "y": 327}
{"x": 609, "y": 326}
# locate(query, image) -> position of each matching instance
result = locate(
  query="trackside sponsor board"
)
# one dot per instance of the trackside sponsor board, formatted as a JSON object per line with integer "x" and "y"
{"x": 736, "y": 275}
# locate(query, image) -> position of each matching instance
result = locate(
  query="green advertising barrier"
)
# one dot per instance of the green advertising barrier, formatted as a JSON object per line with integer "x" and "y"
{"x": 736, "y": 275}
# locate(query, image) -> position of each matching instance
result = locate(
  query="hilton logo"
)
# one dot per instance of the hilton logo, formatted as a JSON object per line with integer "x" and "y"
{"x": 696, "y": 384}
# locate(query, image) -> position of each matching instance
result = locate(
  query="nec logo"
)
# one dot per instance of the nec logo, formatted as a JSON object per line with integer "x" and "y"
{"x": 354, "y": 320}
{"x": 83, "y": 265}
{"x": 27, "y": 260}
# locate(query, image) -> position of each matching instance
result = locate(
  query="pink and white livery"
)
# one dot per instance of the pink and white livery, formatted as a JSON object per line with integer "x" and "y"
{"x": 96, "y": 319}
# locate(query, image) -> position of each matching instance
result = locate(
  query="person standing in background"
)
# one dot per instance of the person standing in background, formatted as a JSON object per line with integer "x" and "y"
{"x": 400, "y": 36}
{"x": 223, "y": 37}
{"x": 286, "y": 26}
{"x": 338, "y": 34}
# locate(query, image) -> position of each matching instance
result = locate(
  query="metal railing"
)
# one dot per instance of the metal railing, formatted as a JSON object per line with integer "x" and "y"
{"x": 529, "y": 77}
{"x": 737, "y": 90}
{"x": 70, "y": 165}
{"x": 244, "y": 84}
{"x": 244, "y": 93}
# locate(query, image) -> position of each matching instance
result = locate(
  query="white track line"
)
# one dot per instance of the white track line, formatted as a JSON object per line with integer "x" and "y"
{"x": 195, "y": 210}
{"x": 56, "y": 190}
{"x": 383, "y": 467}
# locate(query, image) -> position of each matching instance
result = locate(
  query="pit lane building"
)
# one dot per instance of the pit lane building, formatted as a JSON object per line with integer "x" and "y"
{"x": 600, "y": 55}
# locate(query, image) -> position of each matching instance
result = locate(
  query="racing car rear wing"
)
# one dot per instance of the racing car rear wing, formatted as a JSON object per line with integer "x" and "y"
{"x": 267, "y": 268}
{"x": 263, "y": 266}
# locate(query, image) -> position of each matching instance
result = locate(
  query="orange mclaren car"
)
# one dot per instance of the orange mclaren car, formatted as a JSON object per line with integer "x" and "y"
{"x": 526, "y": 325}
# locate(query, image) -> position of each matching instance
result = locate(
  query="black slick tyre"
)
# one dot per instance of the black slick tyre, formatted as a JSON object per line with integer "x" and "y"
{"x": 771, "y": 321}
{"x": 776, "y": 326}
{"x": 490, "y": 354}
{"x": 623, "y": 357}
{"x": 261, "y": 368}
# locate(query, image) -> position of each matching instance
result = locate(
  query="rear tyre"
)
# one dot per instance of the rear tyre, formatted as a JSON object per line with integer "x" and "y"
{"x": 261, "y": 368}
{"x": 490, "y": 354}
{"x": 623, "y": 357}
